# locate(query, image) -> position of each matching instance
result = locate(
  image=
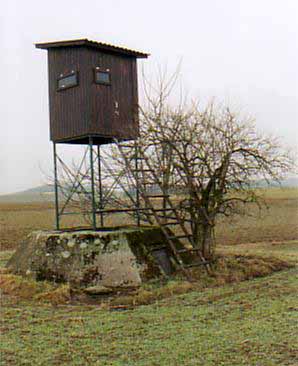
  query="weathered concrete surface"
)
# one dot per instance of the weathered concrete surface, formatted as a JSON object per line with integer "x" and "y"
{"x": 122, "y": 257}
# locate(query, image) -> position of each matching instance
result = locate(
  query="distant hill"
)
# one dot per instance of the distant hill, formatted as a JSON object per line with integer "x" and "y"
{"x": 46, "y": 188}
{"x": 287, "y": 183}
{"x": 290, "y": 182}
{"x": 45, "y": 193}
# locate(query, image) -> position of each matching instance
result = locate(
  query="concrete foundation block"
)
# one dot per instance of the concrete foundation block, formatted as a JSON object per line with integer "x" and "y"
{"x": 121, "y": 257}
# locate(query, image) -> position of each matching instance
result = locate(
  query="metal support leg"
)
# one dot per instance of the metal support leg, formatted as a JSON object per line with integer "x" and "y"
{"x": 92, "y": 184}
{"x": 100, "y": 186}
{"x": 56, "y": 188}
{"x": 164, "y": 183}
{"x": 137, "y": 184}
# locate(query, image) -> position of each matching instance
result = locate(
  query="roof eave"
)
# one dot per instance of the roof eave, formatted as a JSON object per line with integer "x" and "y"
{"x": 92, "y": 44}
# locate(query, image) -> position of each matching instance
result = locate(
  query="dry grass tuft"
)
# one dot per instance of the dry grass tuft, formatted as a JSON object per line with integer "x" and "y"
{"x": 147, "y": 296}
{"x": 228, "y": 269}
{"x": 235, "y": 268}
{"x": 60, "y": 295}
{"x": 20, "y": 287}
{"x": 29, "y": 289}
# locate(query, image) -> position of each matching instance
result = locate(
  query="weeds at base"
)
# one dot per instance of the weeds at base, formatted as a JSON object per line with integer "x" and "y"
{"x": 228, "y": 269}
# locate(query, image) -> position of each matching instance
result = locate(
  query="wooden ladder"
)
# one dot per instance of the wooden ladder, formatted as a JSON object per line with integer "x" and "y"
{"x": 161, "y": 220}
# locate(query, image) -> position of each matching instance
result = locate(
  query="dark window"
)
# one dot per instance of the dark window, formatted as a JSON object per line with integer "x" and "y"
{"x": 102, "y": 77}
{"x": 68, "y": 81}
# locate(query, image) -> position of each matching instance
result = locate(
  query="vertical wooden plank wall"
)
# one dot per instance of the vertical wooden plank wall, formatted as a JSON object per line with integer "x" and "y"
{"x": 89, "y": 108}
{"x": 69, "y": 108}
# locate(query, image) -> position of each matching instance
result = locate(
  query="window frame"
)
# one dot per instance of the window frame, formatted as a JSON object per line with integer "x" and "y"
{"x": 63, "y": 76}
{"x": 103, "y": 71}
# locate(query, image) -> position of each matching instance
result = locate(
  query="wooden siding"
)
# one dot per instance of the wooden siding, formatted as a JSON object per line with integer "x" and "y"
{"x": 113, "y": 105}
{"x": 89, "y": 109}
{"x": 70, "y": 108}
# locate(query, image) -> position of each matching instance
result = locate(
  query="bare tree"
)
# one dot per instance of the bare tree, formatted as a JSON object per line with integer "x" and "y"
{"x": 207, "y": 156}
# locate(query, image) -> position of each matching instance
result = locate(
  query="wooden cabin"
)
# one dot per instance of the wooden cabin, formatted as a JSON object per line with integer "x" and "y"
{"x": 93, "y": 91}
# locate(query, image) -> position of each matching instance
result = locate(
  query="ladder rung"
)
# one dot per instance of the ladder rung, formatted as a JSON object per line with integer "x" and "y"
{"x": 141, "y": 170}
{"x": 158, "y": 248}
{"x": 131, "y": 157}
{"x": 150, "y": 183}
{"x": 196, "y": 264}
{"x": 155, "y": 183}
{"x": 187, "y": 250}
{"x": 169, "y": 223}
{"x": 161, "y": 210}
{"x": 179, "y": 236}
{"x": 168, "y": 217}
{"x": 130, "y": 146}
{"x": 157, "y": 195}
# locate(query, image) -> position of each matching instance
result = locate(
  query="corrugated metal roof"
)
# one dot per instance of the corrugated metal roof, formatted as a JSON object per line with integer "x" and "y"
{"x": 93, "y": 44}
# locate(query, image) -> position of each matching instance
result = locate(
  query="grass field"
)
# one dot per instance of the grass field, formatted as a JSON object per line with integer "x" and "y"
{"x": 252, "y": 322}
{"x": 248, "y": 323}
{"x": 277, "y": 222}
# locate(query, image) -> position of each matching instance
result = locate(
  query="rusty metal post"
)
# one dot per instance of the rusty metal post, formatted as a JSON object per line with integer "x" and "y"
{"x": 100, "y": 186}
{"x": 92, "y": 183}
{"x": 57, "y": 217}
{"x": 164, "y": 183}
{"x": 136, "y": 156}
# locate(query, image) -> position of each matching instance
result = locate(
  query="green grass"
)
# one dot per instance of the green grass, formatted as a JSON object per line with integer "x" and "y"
{"x": 4, "y": 257}
{"x": 277, "y": 222}
{"x": 285, "y": 250}
{"x": 249, "y": 323}
{"x": 252, "y": 323}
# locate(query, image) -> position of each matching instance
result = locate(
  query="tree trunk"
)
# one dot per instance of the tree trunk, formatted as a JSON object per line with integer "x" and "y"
{"x": 203, "y": 238}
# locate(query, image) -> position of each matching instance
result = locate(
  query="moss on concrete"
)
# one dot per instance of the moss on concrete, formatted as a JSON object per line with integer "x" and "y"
{"x": 120, "y": 257}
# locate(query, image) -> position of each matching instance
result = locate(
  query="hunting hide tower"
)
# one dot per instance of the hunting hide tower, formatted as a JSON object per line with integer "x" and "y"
{"x": 93, "y": 100}
{"x": 92, "y": 91}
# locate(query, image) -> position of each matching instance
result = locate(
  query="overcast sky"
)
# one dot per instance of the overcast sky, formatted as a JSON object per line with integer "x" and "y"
{"x": 245, "y": 51}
